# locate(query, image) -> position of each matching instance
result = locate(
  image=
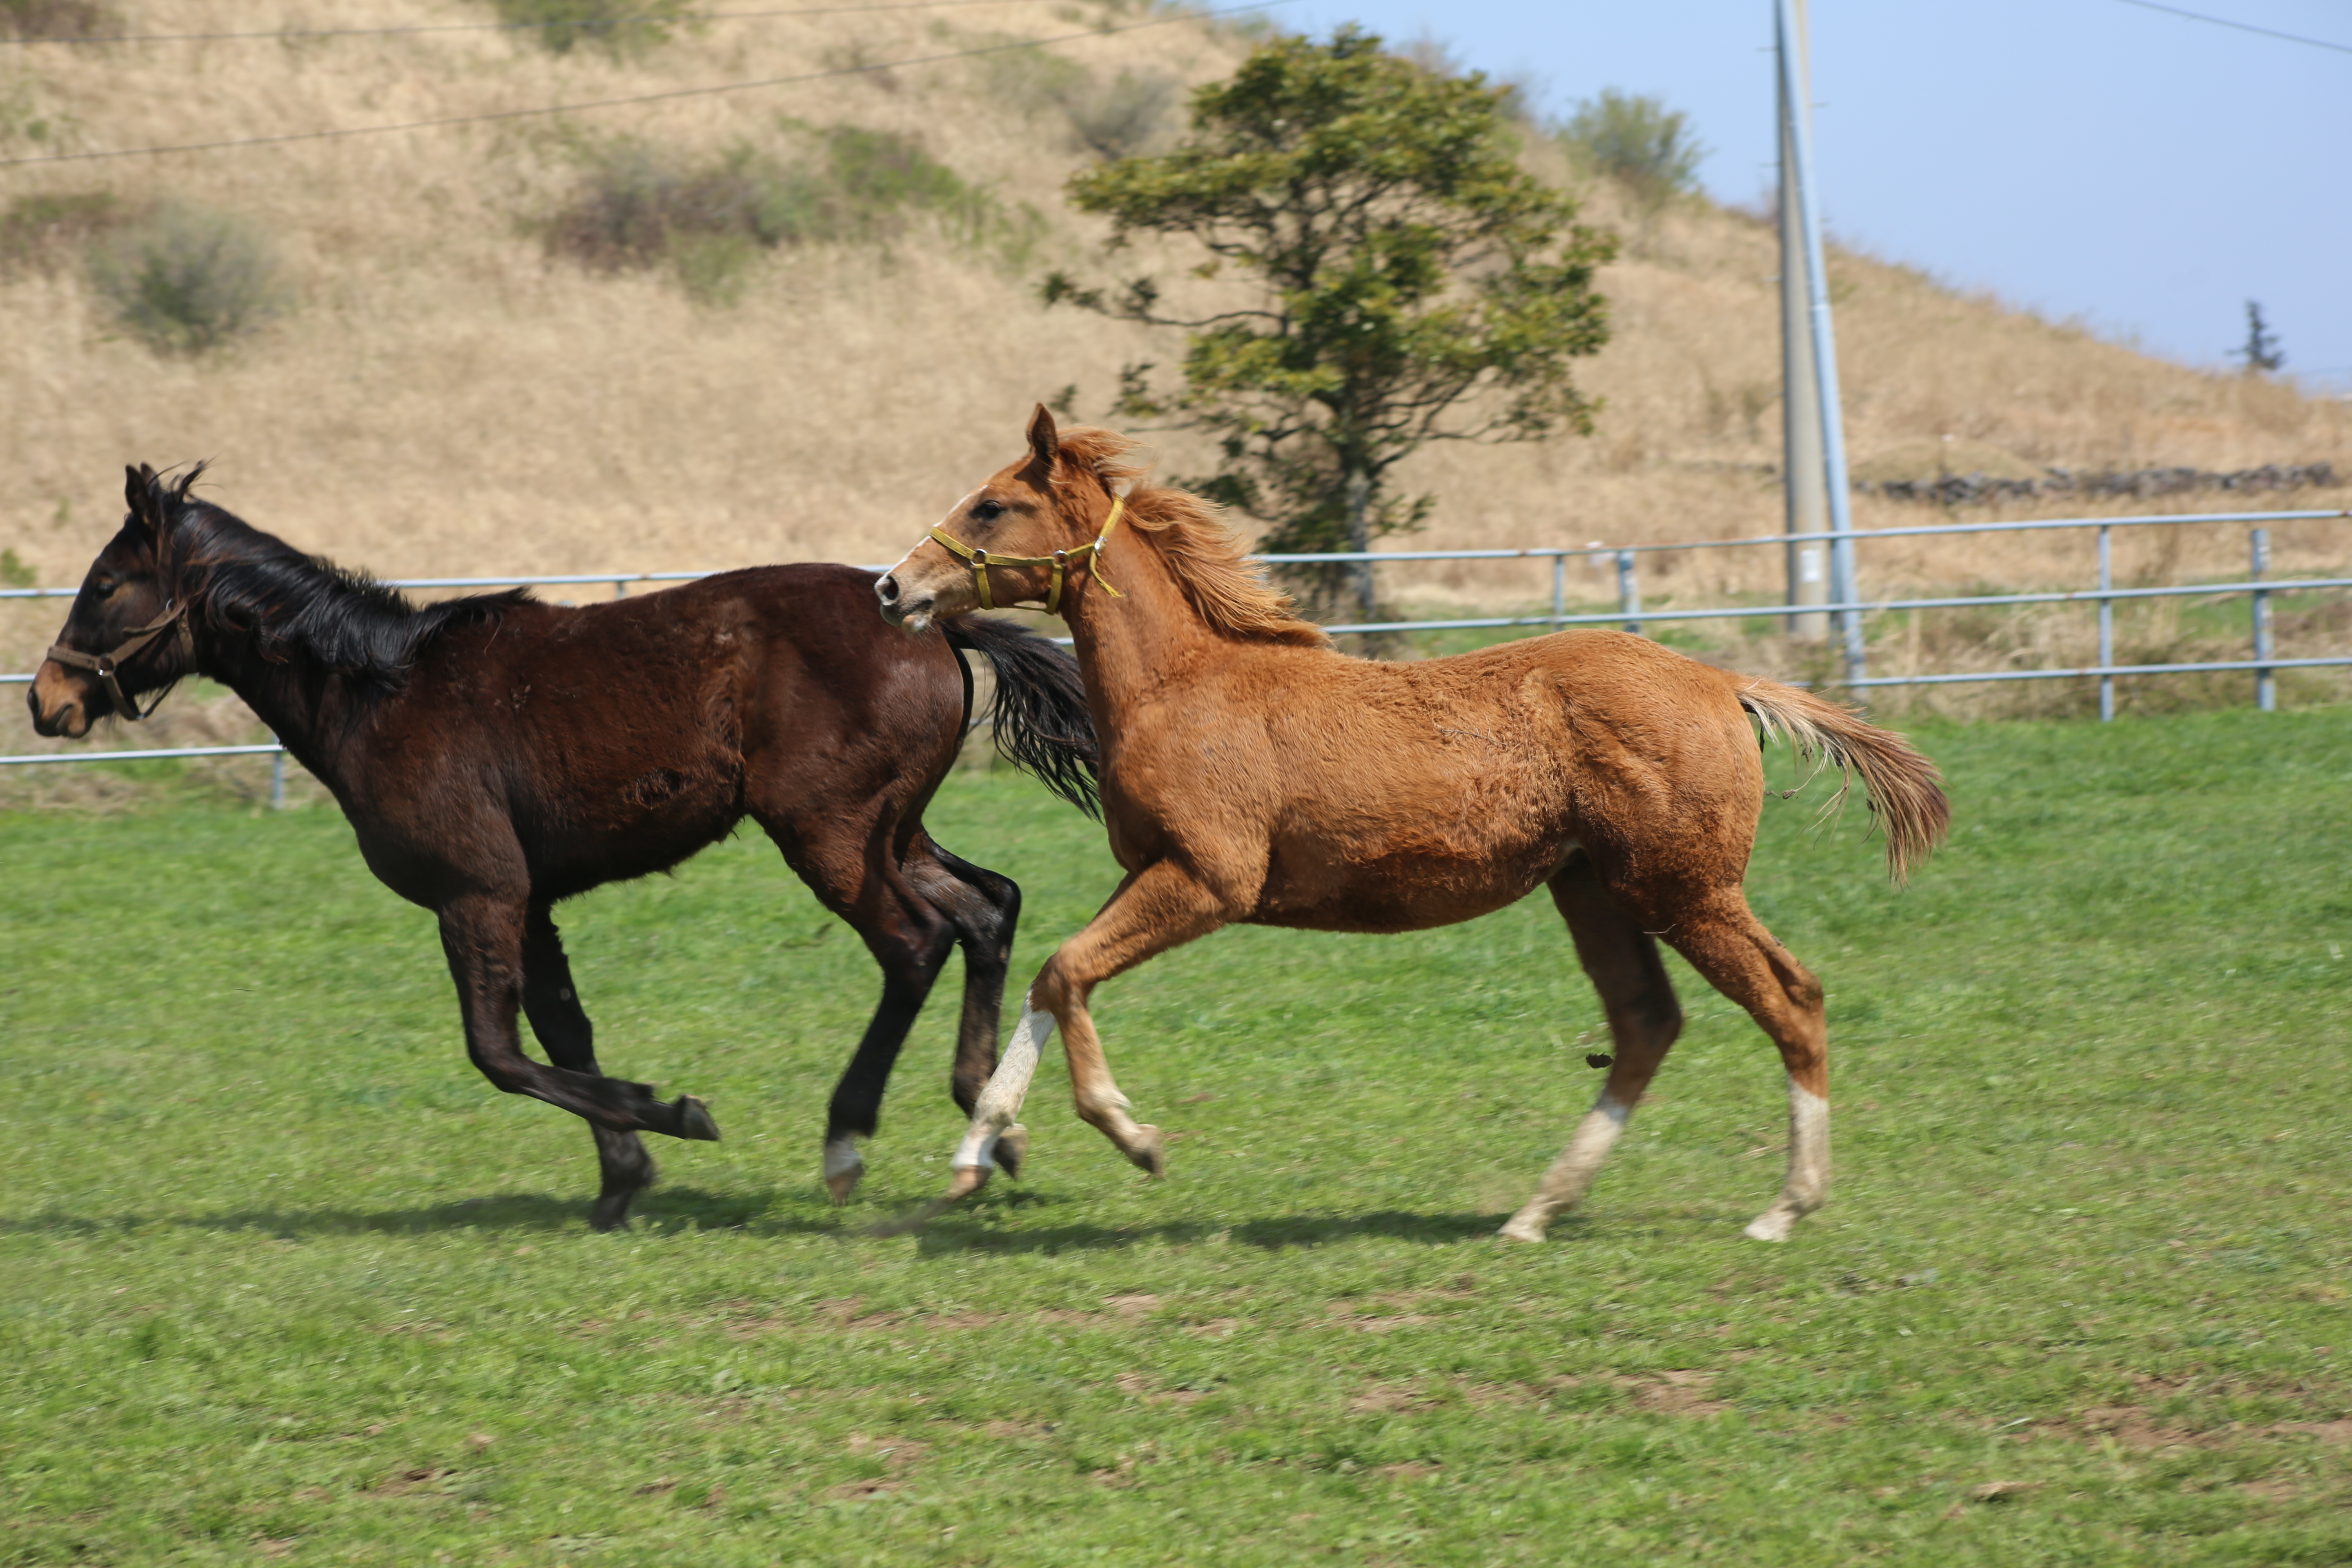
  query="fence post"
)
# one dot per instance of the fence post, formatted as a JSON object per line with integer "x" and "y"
{"x": 2265, "y": 683}
{"x": 620, "y": 587}
{"x": 2107, "y": 630}
{"x": 1629, "y": 592}
{"x": 1559, "y": 589}
{"x": 278, "y": 780}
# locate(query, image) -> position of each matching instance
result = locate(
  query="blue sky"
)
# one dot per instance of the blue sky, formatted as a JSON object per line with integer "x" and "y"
{"x": 2091, "y": 159}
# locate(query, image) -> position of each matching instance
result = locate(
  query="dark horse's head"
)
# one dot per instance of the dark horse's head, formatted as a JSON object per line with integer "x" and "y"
{"x": 95, "y": 668}
{"x": 183, "y": 578}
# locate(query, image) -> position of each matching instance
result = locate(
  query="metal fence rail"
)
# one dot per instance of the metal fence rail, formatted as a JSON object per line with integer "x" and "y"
{"x": 1630, "y": 613}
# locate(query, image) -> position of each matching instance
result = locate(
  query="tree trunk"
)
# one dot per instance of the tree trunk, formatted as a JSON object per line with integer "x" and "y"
{"x": 1359, "y": 540}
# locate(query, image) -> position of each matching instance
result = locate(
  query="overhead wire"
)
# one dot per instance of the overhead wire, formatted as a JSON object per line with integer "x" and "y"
{"x": 2241, "y": 26}
{"x": 672, "y": 94}
{"x": 589, "y": 24}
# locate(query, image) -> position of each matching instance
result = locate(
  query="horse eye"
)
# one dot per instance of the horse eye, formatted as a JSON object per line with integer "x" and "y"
{"x": 987, "y": 509}
{"x": 104, "y": 586}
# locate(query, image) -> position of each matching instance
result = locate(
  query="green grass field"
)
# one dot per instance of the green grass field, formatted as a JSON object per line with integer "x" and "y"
{"x": 281, "y": 1279}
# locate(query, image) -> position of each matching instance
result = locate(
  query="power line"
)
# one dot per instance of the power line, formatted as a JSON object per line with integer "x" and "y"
{"x": 2241, "y": 27}
{"x": 493, "y": 27}
{"x": 638, "y": 98}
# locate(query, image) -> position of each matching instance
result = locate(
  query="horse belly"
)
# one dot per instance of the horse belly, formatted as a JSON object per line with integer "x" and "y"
{"x": 1428, "y": 880}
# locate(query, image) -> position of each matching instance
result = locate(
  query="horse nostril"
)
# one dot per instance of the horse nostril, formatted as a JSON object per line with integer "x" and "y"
{"x": 886, "y": 589}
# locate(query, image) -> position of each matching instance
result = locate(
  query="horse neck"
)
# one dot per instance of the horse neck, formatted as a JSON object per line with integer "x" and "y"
{"x": 307, "y": 708}
{"x": 1129, "y": 645}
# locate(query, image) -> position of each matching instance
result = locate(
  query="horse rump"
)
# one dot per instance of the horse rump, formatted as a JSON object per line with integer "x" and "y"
{"x": 1039, "y": 710}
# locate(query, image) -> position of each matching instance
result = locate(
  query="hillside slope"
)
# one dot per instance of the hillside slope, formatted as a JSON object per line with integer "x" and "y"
{"x": 447, "y": 397}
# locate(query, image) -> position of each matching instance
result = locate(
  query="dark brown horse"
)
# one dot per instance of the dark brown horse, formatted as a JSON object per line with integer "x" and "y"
{"x": 496, "y": 755}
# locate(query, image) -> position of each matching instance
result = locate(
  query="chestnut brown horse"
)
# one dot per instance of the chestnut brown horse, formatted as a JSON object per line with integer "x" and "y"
{"x": 496, "y": 755}
{"x": 1252, "y": 773}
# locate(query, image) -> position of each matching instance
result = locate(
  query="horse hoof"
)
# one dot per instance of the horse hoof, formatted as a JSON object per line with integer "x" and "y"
{"x": 1012, "y": 1148}
{"x": 969, "y": 1179}
{"x": 1149, "y": 1155}
{"x": 694, "y": 1121}
{"x": 1521, "y": 1230}
{"x": 841, "y": 1183}
{"x": 1772, "y": 1224}
{"x": 609, "y": 1215}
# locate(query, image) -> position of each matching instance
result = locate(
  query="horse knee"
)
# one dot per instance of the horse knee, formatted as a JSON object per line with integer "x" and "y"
{"x": 1053, "y": 990}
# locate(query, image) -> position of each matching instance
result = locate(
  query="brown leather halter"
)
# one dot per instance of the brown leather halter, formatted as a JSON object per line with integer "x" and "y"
{"x": 106, "y": 665}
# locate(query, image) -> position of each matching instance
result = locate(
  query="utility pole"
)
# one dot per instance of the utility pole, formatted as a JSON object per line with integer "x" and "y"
{"x": 1814, "y": 452}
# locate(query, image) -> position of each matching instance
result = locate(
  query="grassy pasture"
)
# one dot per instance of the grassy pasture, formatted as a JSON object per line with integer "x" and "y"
{"x": 281, "y": 1279}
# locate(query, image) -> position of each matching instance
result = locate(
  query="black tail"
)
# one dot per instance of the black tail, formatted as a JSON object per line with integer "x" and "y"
{"x": 1039, "y": 709}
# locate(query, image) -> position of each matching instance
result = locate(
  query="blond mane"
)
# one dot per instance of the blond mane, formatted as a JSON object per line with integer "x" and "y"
{"x": 1230, "y": 593}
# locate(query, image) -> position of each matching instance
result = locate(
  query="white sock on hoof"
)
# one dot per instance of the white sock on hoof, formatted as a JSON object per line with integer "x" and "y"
{"x": 1564, "y": 1185}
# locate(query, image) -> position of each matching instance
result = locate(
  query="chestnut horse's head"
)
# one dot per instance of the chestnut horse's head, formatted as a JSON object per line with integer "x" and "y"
{"x": 1032, "y": 534}
{"x": 127, "y": 632}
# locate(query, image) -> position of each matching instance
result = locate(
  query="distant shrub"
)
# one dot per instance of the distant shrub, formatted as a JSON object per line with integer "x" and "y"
{"x": 40, "y": 232}
{"x": 1637, "y": 141}
{"x": 185, "y": 280}
{"x": 1116, "y": 118}
{"x": 1122, "y": 117}
{"x": 638, "y": 205}
{"x": 54, "y": 19}
{"x": 618, "y": 26}
{"x": 14, "y": 572}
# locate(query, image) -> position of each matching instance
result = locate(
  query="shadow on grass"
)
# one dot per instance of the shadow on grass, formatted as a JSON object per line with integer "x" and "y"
{"x": 767, "y": 1213}
{"x": 952, "y": 1233}
{"x": 665, "y": 1210}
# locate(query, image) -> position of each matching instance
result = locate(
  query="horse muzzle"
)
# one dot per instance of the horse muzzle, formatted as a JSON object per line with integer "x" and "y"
{"x": 903, "y": 605}
{"x": 59, "y": 706}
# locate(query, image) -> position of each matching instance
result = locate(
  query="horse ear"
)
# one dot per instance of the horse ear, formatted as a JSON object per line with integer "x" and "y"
{"x": 138, "y": 490}
{"x": 1045, "y": 441}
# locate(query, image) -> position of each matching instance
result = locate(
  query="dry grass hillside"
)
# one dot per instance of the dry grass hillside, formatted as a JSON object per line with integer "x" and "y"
{"x": 443, "y": 395}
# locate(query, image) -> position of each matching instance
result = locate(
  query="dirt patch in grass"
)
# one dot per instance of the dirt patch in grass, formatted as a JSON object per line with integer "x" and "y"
{"x": 1678, "y": 1393}
{"x": 1410, "y": 1470}
{"x": 1388, "y": 1399}
{"x": 899, "y": 1455}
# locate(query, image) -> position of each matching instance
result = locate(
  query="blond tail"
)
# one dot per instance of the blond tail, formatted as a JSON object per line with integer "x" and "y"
{"x": 1904, "y": 791}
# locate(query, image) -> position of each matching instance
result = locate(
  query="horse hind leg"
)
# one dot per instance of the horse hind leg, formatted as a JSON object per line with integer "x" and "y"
{"x": 985, "y": 909}
{"x": 552, "y": 1004}
{"x": 1623, "y": 961}
{"x": 1731, "y": 947}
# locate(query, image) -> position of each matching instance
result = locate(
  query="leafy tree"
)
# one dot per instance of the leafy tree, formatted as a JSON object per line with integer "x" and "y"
{"x": 1638, "y": 142}
{"x": 1407, "y": 283}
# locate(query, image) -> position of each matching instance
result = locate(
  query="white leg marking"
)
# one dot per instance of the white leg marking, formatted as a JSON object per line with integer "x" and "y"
{"x": 844, "y": 1167}
{"x": 1564, "y": 1184}
{"x": 1000, "y": 1102}
{"x": 1809, "y": 1167}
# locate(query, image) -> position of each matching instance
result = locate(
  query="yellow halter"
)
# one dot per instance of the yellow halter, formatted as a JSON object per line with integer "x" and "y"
{"x": 1061, "y": 560}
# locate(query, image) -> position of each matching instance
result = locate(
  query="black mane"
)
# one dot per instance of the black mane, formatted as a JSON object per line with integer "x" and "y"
{"x": 236, "y": 578}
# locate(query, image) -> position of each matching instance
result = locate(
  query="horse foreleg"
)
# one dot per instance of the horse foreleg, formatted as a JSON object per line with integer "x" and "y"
{"x": 1623, "y": 961}
{"x": 909, "y": 939}
{"x": 553, "y": 1005}
{"x": 483, "y": 936}
{"x": 1154, "y": 909}
{"x": 1731, "y": 947}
